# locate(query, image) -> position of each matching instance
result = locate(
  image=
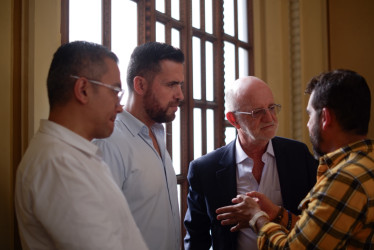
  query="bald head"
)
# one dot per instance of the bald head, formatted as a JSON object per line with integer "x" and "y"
{"x": 248, "y": 92}
{"x": 243, "y": 97}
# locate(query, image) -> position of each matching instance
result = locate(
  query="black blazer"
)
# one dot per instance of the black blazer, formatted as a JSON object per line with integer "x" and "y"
{"x": 212, "y": 180}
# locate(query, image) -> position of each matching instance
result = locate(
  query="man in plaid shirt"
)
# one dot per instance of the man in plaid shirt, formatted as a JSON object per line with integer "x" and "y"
{"x": 338, "y": 213}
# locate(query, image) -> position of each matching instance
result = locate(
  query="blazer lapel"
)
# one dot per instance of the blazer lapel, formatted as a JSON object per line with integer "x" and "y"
{"x": 226, "y": 174}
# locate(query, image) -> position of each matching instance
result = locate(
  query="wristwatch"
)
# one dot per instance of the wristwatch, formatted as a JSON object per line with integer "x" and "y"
{"x": 252, "y": 222}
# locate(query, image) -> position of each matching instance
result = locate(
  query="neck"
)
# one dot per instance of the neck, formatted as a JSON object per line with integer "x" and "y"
{"x": 338, "y": 138}
{"x": 345, "y": 140}
{"x": 135, "y": 108}
{"x": 70, "y": 120}
{"x": 252, "y": 148}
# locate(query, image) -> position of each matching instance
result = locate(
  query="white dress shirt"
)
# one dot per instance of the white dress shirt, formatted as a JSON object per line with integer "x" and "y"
{"x": 65, "y": 196}
{"x": 246, "y": 182}
{"x": 147, "y": 179}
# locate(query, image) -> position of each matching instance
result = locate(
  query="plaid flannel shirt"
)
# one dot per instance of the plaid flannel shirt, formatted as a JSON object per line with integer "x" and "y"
{"x": 338, "y": 213}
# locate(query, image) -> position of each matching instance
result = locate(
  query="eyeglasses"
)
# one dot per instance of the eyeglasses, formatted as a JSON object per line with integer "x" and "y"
{"x": 119, "y": 92}
{"x": 256, "y": 113}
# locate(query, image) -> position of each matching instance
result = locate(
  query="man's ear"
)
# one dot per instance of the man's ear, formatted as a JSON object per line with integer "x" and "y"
{"x": 232, "y": 119}
{"x": 326, "y": 117}
{"x": 80, "y": 90}
{"x": 140, "y": 85}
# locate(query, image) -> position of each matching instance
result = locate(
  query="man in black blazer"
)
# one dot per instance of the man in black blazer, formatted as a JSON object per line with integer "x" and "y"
{"x": 281, "y": 168}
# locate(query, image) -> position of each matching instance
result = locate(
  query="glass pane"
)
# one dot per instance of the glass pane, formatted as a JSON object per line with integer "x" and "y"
{"x": 208, "y": 16}
{"x": 230, "y": 134}
{"x": 197, "y": 139}
{"x": 209, "y": 71}
{"x": 243, "y": 62}
{"x": 175, "y": 38}
{"x": 196, "y": 67}
{"x": 175, "y": 9}
{"x": 228, "y": 17}
{"x": 209, "y": 130}
{"x": 160, "y": 5}
{"x": 242, "y": 20}
{"x": 196, "y": 14}
{"x": 179, "y": 199}
{"x": 124, "y": 12}
{"x": 176, "y": 135}
{"x": 85, "y": 25}
{"x": 229, "y": 63}
{"x": 160, "y": 32}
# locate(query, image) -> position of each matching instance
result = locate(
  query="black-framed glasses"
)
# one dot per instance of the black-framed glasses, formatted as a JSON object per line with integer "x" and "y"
{"x": 257, "y": 113}
{"x": 117, "y": 90}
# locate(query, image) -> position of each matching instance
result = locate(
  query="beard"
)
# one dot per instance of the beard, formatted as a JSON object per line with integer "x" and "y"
{"x": 154, "y": 110}
{"x": 316, "y": 140}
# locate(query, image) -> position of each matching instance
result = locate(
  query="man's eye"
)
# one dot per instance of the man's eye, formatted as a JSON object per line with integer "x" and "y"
{"x": 174, "y": 84}
{"x": 258, "y": 112}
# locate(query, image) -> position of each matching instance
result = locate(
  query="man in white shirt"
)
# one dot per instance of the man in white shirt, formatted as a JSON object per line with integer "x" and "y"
{"x": 136, "y": 151}
{"x": 65, "y": 196}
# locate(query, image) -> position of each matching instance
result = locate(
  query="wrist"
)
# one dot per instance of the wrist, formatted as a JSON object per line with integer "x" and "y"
{"x": 260, "y": 216}
{"x": 278, "y": 218}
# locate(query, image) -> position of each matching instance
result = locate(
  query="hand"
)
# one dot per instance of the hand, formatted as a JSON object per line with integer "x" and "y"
{"x": 265, "y": 204}
{"x": 240, "y": 213}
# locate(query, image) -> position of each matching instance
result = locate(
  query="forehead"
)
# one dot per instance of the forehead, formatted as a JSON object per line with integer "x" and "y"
{"x": 172, "y": 69}
{"x": 311, "y": 97}
{"x": 112, "y": 69}
{"x": 256, "y": 97}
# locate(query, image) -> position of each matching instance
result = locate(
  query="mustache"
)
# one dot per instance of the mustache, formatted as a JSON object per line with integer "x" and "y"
{"x": 178, "y": 103}
{"x": 268, "y": 124}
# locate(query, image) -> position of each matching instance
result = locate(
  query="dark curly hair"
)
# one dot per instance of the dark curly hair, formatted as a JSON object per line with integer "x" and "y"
{"x": 347, "y": 94}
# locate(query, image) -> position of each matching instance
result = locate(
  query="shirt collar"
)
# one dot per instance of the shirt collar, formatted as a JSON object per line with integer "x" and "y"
{"x": 69, "y": 137}
{"x": 240, "y": 155}
{"x": 332, "y": 158}
{"x": 135, "y": 126}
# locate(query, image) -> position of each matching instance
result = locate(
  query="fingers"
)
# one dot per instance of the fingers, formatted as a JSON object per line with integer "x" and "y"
{"x": 257, "y": 200}
{"x": 227, "y": 209}
{"x": 239, "y": 198}
{"x": 254, "y": 194}
{"x": 230, "y": 221}
{"x": 239, "y": 226}
{"x": 227, "y": 218}
{"x": 235, "y": 228}
{"x": 239, "y": 213}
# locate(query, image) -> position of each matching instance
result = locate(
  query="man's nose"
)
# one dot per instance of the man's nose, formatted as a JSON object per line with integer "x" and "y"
{"x": 268, "y": 115}
{"x": 119, "y": 107}
{"x": 179, "y": 95}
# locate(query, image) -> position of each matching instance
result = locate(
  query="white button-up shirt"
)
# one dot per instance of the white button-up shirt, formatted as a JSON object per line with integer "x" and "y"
{"x": 246, "y": 182}
{"x": 66, "y": 198}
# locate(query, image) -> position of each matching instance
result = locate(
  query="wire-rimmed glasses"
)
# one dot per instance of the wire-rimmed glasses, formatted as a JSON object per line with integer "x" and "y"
{"x": 119, "y": 92}
{"x": 256, "y": 113}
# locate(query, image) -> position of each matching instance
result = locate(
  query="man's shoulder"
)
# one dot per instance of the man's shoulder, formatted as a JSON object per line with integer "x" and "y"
{"x": 120, "y": 136}
{"x": 46, "y": 153}
{"x": 214, "y": 157}
{"x": 49, "y": 146}
{"x": 359, "y": 164}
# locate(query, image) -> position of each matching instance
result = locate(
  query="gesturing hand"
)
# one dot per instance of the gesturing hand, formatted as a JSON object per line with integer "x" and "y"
{"x": 238, "y": 214}
{"x": 265, "y": 204}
